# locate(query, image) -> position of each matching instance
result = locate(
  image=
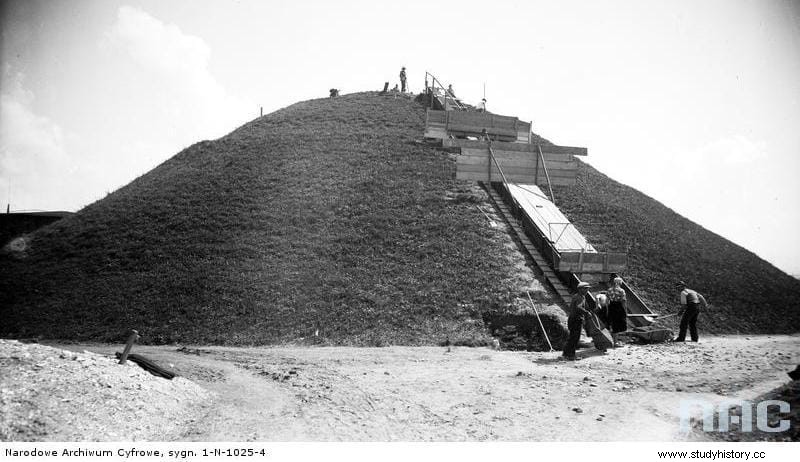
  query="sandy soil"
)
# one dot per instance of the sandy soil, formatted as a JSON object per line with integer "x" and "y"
{"x": 462, "y": 394}
{"x": 53, "y": 394}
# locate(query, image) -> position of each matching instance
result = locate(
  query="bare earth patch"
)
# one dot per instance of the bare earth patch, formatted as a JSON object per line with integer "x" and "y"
{"x": 411, "y": 393}
{"x": 50, "y": 394}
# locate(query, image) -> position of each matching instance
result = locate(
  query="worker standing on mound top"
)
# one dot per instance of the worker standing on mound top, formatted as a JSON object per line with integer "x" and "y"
{"x": 577, "y": 313}
{"x": 691, "y": 302}
{"x": 403, "y": 80}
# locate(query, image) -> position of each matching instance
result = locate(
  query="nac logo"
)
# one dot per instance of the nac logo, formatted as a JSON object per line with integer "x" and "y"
{"x": 721, "y": 415}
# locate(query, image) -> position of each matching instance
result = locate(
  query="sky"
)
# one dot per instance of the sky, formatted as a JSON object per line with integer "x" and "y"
{"x": 696, "y": 103}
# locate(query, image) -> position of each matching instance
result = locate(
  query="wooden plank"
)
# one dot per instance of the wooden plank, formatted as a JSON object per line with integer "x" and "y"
{"x": 501, "y": 146}
{"x": 483, "y": 176}
{"x": 478, "y": 129}
{"x": 474, "y": 123}
{"x": 483, "y": 119}
{"x": 439, "y": 133}
{"x": 483, "y": 151}
{"x": 518, "y": 162}
{"x": 549, "y": 220}
{"x": 484, "y": 162}
{"x": 524, "y": 132}
{"x": 499, "y": 155}
{"x": 515, "y": 165}
{"x": 516, "y": 171}
{"x": 583, "y": 267}
{"x": 495, "y": 136}
{"x": 636, "y": 305}
{"x": 502, "y": 154}
{"x": 437, "y": 116}
{"x": 593, "y": 262}
{"x": 554, "y": 168}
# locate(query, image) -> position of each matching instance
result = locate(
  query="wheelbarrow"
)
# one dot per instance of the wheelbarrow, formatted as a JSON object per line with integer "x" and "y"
{"x": 652, "y": 333}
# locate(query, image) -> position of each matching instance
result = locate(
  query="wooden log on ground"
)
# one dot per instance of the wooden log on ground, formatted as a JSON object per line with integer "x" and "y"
{"x": 149, "y": 366}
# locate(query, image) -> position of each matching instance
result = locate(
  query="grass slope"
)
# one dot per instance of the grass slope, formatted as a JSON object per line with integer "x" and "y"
{"x": 328, "y": 216}
{"x": 323, "y": 215}
{"x": 748, "y": 294}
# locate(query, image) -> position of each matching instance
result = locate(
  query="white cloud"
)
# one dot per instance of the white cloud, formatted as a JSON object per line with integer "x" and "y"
{"x": 34, "y": 165}
{"x": 189, "y": 96}
{"x": 733, "y": 150}
{"x": 156, "y": 95}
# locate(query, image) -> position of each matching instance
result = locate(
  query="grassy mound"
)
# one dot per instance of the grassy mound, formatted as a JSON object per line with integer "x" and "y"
{"x": 328, "y": 222}
{"x": 748, "y": 294}
{"x": 326, "y": 217}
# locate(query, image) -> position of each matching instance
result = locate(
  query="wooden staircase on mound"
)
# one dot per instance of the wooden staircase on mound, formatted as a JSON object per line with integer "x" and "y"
{"x": 539, "y": 260}
{"x": 441, "y": 98}
{"x": 499, "y": 152}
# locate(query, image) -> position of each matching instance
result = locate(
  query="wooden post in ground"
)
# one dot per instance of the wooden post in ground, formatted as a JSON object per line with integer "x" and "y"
{"x": 133, "y": 337}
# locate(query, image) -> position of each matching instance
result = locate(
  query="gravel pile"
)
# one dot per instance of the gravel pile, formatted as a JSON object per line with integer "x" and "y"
{"x": 49, "y": 394}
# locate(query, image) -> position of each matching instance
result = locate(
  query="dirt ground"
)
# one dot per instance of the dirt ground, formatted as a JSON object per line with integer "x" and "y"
{"x": 455, "y": 394}
{"x": 53, "y": 394}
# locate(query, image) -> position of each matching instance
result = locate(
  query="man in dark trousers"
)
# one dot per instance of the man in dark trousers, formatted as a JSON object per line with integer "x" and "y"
{"x": 691, "y": 302}
{"x": 577, "y": 313}
{"x": 403, "y": 80}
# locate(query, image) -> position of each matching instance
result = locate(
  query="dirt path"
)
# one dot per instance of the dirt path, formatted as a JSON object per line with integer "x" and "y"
{"x": 468, "y": 394}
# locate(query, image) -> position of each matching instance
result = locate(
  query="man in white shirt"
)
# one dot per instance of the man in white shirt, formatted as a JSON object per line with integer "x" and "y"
{"x": 691, "y": 302}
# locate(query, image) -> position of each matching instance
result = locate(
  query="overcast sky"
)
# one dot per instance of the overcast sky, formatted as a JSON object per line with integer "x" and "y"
{"x": 696, "y": 103}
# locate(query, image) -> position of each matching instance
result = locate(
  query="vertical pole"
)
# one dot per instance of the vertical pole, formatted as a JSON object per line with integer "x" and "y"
{"x": 444, "y": 93}
{"x": 489, "y": 160}
{"x": 433, "y": 90}
{"x": 262, "y": 111}
{"x": 133, "y": 337}
{"x": 547, "y": 175}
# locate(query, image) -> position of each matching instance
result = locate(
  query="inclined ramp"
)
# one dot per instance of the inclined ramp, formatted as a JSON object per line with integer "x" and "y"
{"x": 498, "y": 152}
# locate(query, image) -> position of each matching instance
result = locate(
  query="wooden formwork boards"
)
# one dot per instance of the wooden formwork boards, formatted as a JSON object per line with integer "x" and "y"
{"x": 518, "y": 166}
{"x": 443, "y": 124}
{"x": 573, "y": 253}
{"x": 547, "y": 149}
{"x": 552, "y": 223}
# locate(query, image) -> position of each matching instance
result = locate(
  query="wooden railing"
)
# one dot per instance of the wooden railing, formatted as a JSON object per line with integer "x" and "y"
{"x": 433, "y": 89}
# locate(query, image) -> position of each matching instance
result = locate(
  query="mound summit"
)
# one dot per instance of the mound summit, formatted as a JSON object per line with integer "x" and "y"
{"x": 327, "y": 221}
